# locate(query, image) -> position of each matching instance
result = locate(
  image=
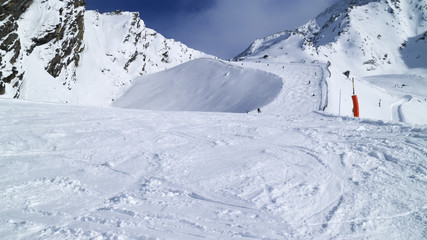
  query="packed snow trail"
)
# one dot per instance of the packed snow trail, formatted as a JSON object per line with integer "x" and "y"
{"x": 304, "y": 86}
{"x": 405, "y": 94}
{"x": 103, "y": 173}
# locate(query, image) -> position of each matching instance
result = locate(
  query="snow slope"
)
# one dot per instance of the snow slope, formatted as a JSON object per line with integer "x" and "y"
{"x": 304, "y": 87}
{"x": 374, "y": 40}
{"x": 203, "y": 85}
{"x": 71, "y": 172}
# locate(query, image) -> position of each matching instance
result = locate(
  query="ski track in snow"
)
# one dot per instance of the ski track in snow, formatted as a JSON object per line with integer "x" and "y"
{"x": 302, "y": 90}
{"x": 102, "y": 173}
{"x": 396, "y": 109}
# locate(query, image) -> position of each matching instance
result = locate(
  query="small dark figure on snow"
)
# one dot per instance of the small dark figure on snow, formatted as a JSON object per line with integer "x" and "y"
{"x": 259, "y": 110}
{"x": 379, "y": 103}
{"x": 2, "y": 88}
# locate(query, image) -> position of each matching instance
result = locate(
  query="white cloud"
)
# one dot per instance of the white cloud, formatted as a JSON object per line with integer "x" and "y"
{"x": 229, "y": 26}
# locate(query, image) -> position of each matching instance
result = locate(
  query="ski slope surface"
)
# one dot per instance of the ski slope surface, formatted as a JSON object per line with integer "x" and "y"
{"x": 290, "y": 172}
{"x": 71, "y": 172}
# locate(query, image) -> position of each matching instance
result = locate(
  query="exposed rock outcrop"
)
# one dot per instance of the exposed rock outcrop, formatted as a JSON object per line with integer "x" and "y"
{"x": 10, "y": 45}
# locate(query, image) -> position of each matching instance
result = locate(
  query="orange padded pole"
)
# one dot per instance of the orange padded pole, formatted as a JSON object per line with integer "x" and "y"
{"x": 355, "y": 106}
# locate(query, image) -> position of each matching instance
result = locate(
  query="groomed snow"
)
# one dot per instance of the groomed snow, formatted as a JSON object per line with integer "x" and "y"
{"x": 71, "y": 172}
{"x": 203, "y": 85}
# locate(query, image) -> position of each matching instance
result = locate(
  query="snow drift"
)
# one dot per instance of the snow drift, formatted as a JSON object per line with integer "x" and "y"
{"x": 203, "y": 85}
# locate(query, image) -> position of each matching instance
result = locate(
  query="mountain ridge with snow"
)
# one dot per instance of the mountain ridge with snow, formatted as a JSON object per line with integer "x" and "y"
{"x": 60, "y": 52}
{"x": 385, "y": 20}
{"x": 373, "y": 39}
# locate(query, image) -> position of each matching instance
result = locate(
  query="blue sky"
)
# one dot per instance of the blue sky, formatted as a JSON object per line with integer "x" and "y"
{"x": 223, "y": 28}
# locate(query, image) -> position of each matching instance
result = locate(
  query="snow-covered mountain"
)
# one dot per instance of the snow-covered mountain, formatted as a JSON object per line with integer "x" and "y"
{"x": 57, "y": 51}
{"x": 368, "y": 36}
{"x": 381, "y": 42}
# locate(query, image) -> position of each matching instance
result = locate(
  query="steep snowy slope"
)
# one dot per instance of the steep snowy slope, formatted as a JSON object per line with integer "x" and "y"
{"x": 369, "y": 38}
{"x": 59, "y": 52}
{"x": 71, "y": 172}
{"x": 203, "y": 85}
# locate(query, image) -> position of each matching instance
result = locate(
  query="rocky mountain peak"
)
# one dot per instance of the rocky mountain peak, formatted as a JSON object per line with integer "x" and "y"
{"x": 10, "y": 46}
{"x": 54, "y": 50}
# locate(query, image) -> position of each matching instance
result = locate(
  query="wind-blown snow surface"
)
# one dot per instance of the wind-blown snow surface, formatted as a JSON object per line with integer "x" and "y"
{"x": 203, "y": 85}
{"x": 104, "y": 173}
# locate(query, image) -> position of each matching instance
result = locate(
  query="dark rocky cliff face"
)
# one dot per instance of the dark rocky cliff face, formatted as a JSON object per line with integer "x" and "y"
{"x": 68, "y": 33}
{"x": 10, "y": 12}
{"x": 64, "y": 40}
